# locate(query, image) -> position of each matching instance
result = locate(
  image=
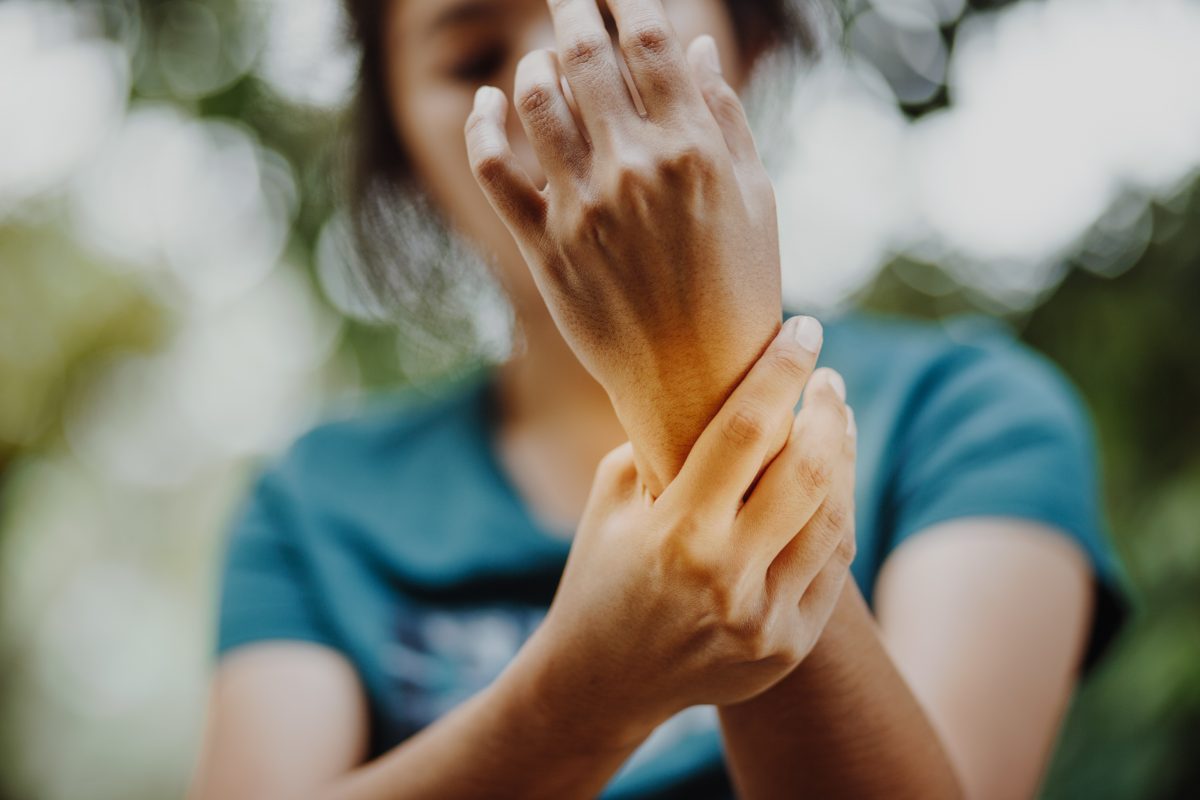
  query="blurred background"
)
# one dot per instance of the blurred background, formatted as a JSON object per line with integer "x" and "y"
{"x": 175, "y": 305}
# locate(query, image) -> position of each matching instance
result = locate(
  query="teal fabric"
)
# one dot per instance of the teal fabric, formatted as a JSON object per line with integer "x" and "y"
{"x": 396, "y": 538}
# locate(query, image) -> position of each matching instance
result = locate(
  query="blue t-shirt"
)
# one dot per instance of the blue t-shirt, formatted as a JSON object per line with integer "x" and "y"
{"x": 396, "y": 538}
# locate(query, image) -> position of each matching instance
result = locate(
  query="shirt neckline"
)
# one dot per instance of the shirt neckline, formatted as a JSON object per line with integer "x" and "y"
{"x": 483, "y": 419}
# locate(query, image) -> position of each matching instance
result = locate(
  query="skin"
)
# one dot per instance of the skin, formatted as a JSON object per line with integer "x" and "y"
{"x": 707, "y": 591}
{"x": 956, "y": 687}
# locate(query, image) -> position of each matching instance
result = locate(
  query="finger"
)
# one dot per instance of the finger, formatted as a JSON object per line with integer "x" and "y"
{"x": 590, "y": 65}
{"x": 613, "y": 486}
{"x": 722, "y": 100}
{"x": 731, "y": 450}
{"x": 827, "y": 544}
{"x": 496, "y": 169}
{"x": 616, "y": 475}
{"x": 815, "y": 600}
{"x": 797, "y": 483}
{"x": 656, "y": 59}
{"x": 546, "y": 116}
{"x": 819, "y": 602}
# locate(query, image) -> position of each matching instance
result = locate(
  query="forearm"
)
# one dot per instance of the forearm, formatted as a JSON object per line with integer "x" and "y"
{"x": 504, "y": 742}
{"x": 843, "y": 724}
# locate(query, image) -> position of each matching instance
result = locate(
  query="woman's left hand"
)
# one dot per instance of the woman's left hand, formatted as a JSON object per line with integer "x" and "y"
{"x": 654, "y": 242}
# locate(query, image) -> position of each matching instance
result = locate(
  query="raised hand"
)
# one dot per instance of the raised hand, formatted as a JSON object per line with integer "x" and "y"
{"x": 654, "y": 241}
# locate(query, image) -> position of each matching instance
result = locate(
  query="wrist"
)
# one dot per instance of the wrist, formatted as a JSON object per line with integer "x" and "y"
{"x": 667, "y": 397}
{"x": 831, "y": 659}
{"x": 835, "y": 651}
{"x": 560, "y": 707}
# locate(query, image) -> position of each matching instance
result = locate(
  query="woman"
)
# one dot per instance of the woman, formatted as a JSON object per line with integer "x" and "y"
{"x": 386, "y": 625}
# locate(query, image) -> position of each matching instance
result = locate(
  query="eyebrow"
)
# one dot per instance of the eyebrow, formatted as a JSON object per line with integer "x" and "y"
{"x": 474, "y": 11}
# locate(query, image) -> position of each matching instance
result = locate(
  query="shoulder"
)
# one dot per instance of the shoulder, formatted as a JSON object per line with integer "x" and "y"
{"x": 965, "y": 370}
{"x": 384, "y": 435}
{"x": 943, "y": 401}
{"x": 923, "y": 350}
{"x": 961, "y": 420}
{"x": 326, "y": 514}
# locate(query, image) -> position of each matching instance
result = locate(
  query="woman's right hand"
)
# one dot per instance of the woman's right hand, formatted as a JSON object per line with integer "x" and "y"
{"x": 707, "y": 595}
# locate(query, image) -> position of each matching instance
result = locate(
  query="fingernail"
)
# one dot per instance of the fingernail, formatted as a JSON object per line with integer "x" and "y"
{"x": 851, "y": 424}
{"x": 711, "y": 55}
{"x": 482, "y": 95}
{"x": 838, "y": 384}
{"x": 807, "y": 333}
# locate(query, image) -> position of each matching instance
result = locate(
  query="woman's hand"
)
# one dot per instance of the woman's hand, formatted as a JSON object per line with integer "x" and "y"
{"x": 701, "y": 597}
{"x": 654, "y": 242}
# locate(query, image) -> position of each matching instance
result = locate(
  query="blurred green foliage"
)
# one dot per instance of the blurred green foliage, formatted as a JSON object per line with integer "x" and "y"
{"x": 1130, "y": 341}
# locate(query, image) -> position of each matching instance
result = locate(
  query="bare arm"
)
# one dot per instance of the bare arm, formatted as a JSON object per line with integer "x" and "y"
{"x": 507, "y": 741}
{"x": 282, "y": 718}
{"x": 987, "y": 620}
{"x": 689, "y": 598}
{"x": 289, "y": 721}
{"x": 959, "y": 691}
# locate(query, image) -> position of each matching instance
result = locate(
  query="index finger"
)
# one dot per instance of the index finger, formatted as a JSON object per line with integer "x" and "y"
{"x": 730, "y": 452}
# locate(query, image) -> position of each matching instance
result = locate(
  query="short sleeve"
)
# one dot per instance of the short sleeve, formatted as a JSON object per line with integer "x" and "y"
{"x": 996, "y": 431}
{"x": 266, "y": 589}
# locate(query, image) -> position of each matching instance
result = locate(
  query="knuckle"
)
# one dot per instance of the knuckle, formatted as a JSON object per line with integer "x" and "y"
{"x": 836, "y": 517}
{"x": 845, "y": 553}
{"x": 687, "y": 548}
{"x": 591, "y": 217}
{"x": 694, "y": 565}
{"x": 631, "y": 177}
{"x": 741, "y": 625}
{"x": 745, "y": 427}
{"x": 585, "y": 50}
{"x": 755, "y": 639}
{"x": 490, "y": 168}
{"x": 650, "y": 38}
{"x": 724, "y": 101}
{"x": 534, "y": 99}
{"x": 789, "y": 363}
{"x": 689, "y": 160}
{"x": 475, "y": 125}
{"x": 812, "y": 474}
{"x": 783, "y": 647}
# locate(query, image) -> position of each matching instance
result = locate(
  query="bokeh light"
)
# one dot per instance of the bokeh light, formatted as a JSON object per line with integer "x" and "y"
{"x": 307, "y": 58}
{"x": 190, "y": 198}
{"x": 44, "y": 47}
{"x": 1059, "y": 112}
{"x": 180, "y": 297}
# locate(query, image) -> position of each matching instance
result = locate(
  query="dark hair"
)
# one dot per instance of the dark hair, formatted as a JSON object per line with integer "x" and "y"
{"x": 380, "y": 178}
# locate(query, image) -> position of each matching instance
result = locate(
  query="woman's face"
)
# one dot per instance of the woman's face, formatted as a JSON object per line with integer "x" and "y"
{"x": 440, "y": 51}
